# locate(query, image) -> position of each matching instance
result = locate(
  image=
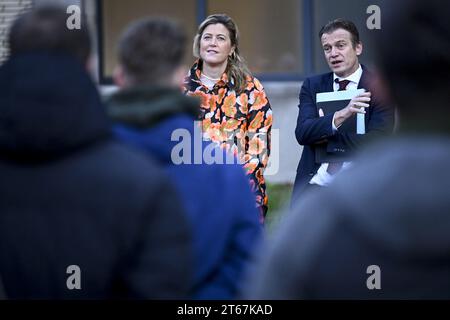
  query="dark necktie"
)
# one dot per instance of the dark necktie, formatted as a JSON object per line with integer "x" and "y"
{"x": 334, "y": 167}
{"x": 342, "y": 84}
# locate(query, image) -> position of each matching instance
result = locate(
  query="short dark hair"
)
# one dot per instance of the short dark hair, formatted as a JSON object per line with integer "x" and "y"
{"x": 45, "y": 29}
{"x": 342, "y": 24}
{"x": 150, "y": 49}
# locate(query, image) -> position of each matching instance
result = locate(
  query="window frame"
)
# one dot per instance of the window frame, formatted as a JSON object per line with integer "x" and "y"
{"x": 201, "y": 13}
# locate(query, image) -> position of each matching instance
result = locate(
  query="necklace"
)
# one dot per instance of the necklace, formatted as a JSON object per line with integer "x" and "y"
{"x": 204, "y": 75}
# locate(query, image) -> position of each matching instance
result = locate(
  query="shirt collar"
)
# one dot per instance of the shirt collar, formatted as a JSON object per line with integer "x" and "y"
{"x": 355, "y": 77}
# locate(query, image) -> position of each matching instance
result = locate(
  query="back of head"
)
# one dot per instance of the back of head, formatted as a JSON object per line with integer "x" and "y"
{"x": 45, "y": 82}
{"x": 150, "y": 50}
{"x": 414, "y": 48}
{"x": 45, "y": 29}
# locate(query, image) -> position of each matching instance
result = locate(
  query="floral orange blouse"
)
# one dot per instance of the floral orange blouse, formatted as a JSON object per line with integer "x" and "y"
{"x": 238, "y": 122}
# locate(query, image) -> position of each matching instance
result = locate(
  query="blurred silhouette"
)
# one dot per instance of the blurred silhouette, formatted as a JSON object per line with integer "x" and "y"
{"x": 2, "y": 290}
{"x": 148, "y": 109}
{"x": 72, "y": 198}
{"x": 384, "y": 230}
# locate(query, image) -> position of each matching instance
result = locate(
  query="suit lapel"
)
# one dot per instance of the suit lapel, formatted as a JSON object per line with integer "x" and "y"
{"x": 364, "y": 83}
{"x": 327, "y": 83}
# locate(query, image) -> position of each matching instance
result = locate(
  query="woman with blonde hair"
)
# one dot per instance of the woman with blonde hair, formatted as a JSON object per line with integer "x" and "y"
{"x": 235, "y": 111}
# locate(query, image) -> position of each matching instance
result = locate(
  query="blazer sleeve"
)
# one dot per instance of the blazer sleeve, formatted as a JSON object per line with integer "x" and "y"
{"x": 311, "y": 129}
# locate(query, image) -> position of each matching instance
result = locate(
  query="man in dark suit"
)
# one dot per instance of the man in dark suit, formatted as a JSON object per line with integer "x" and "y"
{"x": 383, "y": 232}
{"x": 342, "y": 47}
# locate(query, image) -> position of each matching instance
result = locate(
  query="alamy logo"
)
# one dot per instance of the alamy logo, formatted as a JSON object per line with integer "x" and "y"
{"x": 74, "y": 280}
{"x": 374, "y": 21}
{"x": 374, "y": 280}
{"x": 74, "y": 20}
{"x": 191, "y": 150}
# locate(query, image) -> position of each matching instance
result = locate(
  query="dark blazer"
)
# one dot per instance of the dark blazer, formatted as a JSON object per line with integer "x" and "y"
{"x": 311, "y": 128}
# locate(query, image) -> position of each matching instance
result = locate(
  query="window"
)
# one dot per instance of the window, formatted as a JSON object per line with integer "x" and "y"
{"x": 116, "y": 14}
{"x": 271, "y": 33}
{"x": 9, "y": 10}
{"x": 279, "y": 40}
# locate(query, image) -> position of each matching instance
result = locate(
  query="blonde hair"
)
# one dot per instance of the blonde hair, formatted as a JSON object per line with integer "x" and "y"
{"x": 236, "y": 67}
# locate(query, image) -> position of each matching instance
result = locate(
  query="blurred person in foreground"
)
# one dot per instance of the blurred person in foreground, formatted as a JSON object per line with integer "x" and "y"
{"x": 81, "y": 216}
{"x": 384, "y": 231}
{"x": 151, "y": 113}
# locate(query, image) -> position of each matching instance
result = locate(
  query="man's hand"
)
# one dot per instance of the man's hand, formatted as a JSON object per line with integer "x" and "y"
{"x": 356, "y": 105}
